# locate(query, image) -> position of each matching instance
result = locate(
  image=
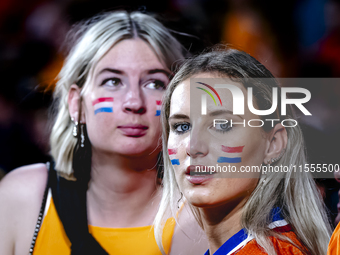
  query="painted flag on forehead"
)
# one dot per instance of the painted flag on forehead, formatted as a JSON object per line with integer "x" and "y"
{"x": 242, "y": 242}
{"x": 231, "y": 154}
{"x": 103, "y": 104}
{"x": 158, "y": 107}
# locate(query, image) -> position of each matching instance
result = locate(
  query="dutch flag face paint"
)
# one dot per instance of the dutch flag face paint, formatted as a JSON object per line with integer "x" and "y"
{"x": 103, "y": 104}
{"x": 234, "y": 154}
{"x": 173, "y": 152}
{"x": 158, "y": 107}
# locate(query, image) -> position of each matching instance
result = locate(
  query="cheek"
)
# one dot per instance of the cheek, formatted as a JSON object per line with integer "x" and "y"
{"x": 245, "y": 146}
{"x": 177, "y": 154}
{"x": 102, "y": 105}
{"x": 158, "y": 108}
{"x": 174, "y": 150}
{"x": 99, "y": 115}
{"x": 253, "y": 153}
{"x": 100, "y": 110}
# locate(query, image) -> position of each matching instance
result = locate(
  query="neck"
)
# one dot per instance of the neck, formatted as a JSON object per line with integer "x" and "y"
{"x": 123, "y": 191}
{"x": 221, "y": 223}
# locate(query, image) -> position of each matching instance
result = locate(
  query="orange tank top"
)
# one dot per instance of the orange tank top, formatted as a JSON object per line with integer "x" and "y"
{"x": 53, "y": 240}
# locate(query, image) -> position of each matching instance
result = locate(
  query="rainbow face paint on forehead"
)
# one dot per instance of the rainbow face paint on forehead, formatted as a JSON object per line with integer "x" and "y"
{"x": 158, "y": 107}
{"x": 235, "y": 154}
{"x": 103, "y": 104}
{"x": 173, "y": 152}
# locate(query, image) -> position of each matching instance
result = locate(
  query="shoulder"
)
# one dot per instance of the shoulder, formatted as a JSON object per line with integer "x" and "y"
{"x": 21, "y": 194}
{"x": 281, "y": 246}
{"x": 287, "y": 247}
{"x": 24, "y": 182}
{"x": 334, "y": 243}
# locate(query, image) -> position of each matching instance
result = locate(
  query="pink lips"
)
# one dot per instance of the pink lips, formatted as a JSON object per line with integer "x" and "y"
{"x": 133, "y": 130}
{"x": 197, "y": 178}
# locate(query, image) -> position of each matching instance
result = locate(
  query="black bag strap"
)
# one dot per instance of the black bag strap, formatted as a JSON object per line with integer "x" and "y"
{"x": 70, "y": 201}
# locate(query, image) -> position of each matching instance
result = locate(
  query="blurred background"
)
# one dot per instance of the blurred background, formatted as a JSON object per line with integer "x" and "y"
{"x": 292, "y": 38}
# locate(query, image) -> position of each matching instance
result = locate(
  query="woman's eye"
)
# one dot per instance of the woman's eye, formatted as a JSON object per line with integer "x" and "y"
{"x": 112, "y": 82}
{"x": 222, "y": 127}
{"x": 156, "y": 84}
{"x": 181, "y": 128}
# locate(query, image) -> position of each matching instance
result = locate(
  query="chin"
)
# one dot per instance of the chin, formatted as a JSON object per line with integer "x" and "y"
{"x": 198, "y": 199}
{"x": 139, "y": 149}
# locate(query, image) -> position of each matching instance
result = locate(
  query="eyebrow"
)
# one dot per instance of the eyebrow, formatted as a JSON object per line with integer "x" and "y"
{"x": 220, "y": 112}
{"x": 111, "y": 71}
{"x": 152, "y": 71}
{"x": 179, "y": 116}
{"x": 169, "y": 74}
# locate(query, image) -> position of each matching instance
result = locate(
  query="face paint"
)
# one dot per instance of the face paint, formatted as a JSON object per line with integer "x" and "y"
{"x": 173, "y": 152}
{"x": 235, "y": 153}
{"x": 103, "y": 104}
{"x": 232, "y": 149}
{"x": 158, "y": 107}
{"x": 175, "y": 161}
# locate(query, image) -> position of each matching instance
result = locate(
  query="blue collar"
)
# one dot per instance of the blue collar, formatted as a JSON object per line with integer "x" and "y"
{"x": 242, "y": 235}
{"x": 231, "y": 243}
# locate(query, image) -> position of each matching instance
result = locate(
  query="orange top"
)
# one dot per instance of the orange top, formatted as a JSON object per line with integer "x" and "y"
{"x": 334, "y": 243}
{"x": 281, "y": 247}
{"x": 53, "y": 240}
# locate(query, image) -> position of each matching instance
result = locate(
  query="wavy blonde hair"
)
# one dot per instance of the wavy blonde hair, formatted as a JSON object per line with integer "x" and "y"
{"x": 95, "y": 38}
{"x": 294, "y": 193}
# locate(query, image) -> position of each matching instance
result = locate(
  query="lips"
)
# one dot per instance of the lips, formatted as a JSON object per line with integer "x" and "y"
{"x": 133, "y": 130}
{"x": 197, "y": 174}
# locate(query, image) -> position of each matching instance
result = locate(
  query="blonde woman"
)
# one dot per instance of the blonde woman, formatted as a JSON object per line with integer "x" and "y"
{"x": 254, "y": 213}
{"x": 101, "y": 193}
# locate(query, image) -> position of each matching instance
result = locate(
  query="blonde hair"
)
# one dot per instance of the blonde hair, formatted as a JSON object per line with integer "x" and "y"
{"x": 294, "y": 193}
{"x": 95, "y": 38}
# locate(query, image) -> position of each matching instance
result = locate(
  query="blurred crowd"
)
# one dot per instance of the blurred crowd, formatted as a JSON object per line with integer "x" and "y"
{"x": 293, "y": 38}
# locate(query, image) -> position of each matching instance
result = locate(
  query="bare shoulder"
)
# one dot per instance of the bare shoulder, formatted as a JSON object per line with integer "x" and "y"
{"x": 23, "y": 182}
{"x": 189, "y": 238}
{"x": 21, "y": 194}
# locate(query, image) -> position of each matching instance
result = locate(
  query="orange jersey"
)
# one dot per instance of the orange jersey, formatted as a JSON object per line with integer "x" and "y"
{"x": 334, "y": 243}
{"x": 281, "y": 247}
{"x": 244, "y": 244}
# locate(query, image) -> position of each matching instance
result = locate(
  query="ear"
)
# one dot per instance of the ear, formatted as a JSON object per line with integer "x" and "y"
{"x": 74, "y": 104}
{"x": 276, "y": 143}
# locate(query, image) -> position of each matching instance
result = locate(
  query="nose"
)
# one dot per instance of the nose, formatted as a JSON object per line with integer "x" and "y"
{"x": 134, "y": 101}
{"x": 196, "y": 146}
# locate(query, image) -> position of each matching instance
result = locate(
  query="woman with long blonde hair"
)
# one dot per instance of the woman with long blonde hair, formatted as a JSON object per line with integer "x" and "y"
{"x": 262, "y": 212}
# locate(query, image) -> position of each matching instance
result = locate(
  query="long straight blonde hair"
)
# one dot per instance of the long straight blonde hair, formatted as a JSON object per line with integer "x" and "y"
{"x": 295, "y": 193}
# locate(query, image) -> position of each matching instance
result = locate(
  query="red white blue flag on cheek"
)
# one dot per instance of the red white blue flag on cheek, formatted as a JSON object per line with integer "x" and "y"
{"x": 241, "y": 238}
{"x": 158, "y": 107}
{"x": 234, "y": 154}
{"x": 173, "y": 152}
{"x": 103, "y": 104}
